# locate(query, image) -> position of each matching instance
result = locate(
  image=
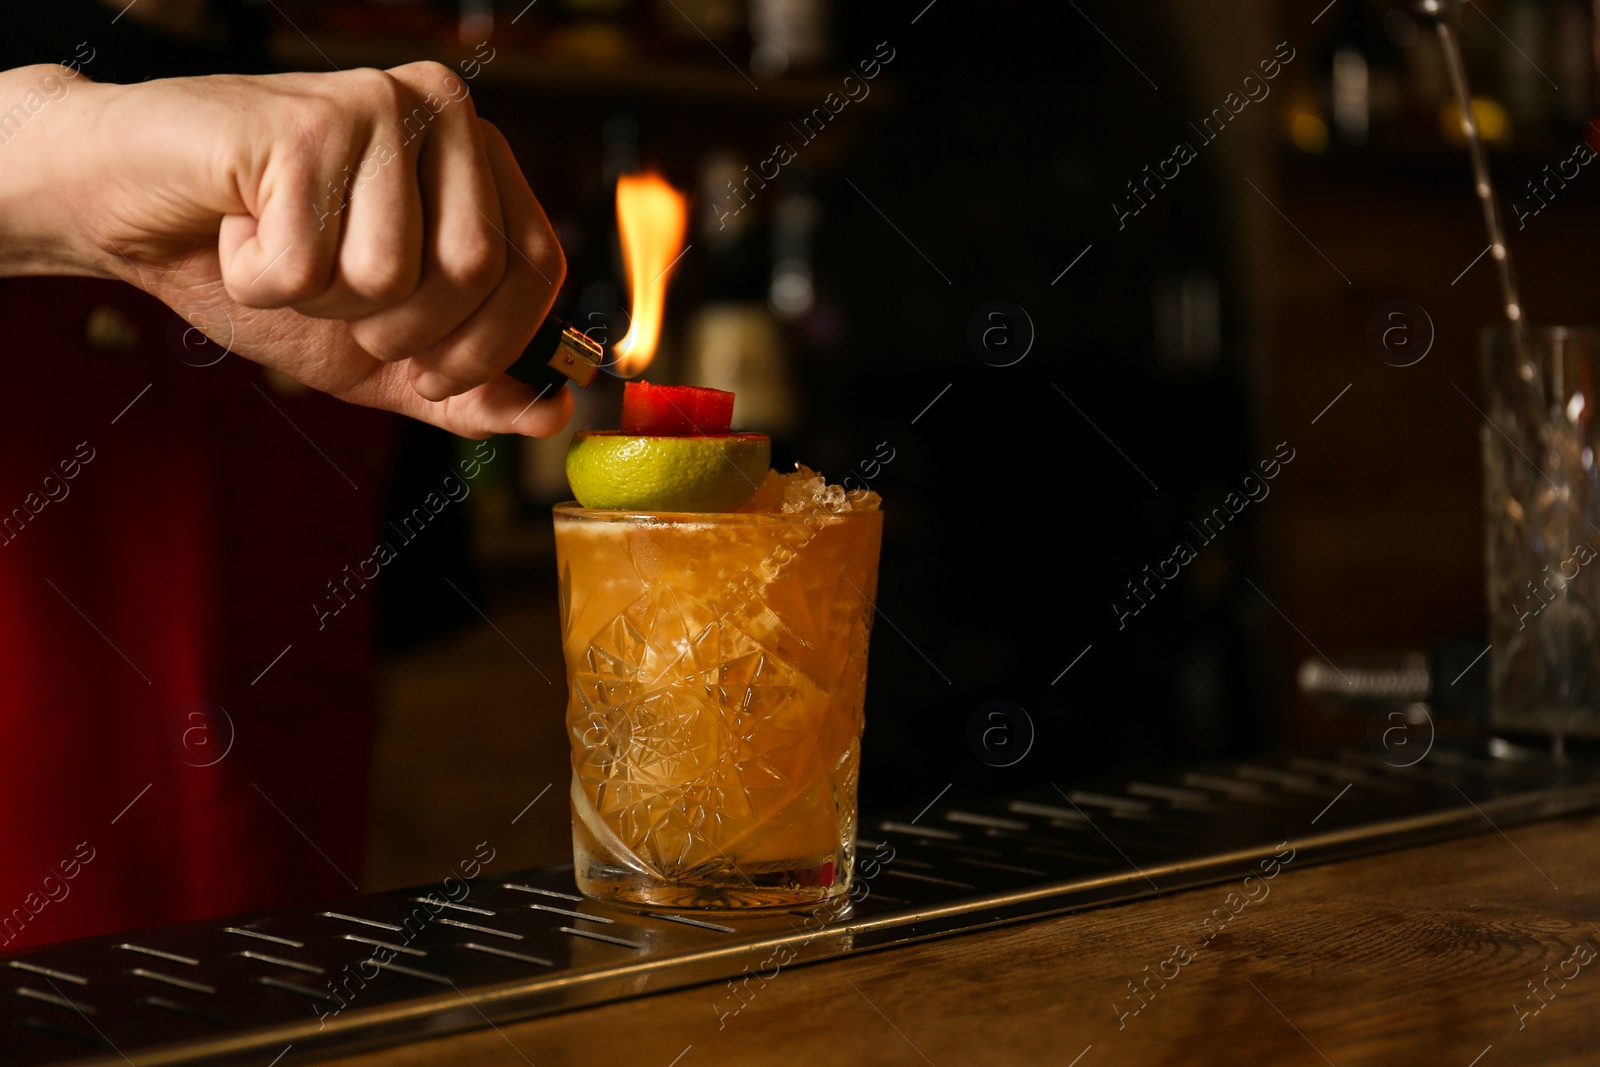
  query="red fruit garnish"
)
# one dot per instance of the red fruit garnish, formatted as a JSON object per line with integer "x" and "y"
{"x": 675, "y": 410}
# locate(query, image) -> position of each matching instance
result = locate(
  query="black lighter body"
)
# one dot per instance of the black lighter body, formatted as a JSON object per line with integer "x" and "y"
{"x": 558, "y": 354}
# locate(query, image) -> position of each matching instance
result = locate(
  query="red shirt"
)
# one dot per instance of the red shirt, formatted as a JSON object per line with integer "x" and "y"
{"x": 164, "y": 531}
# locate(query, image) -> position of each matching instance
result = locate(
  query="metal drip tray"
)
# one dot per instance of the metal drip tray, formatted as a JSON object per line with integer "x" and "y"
{"x": 392, "y": 967}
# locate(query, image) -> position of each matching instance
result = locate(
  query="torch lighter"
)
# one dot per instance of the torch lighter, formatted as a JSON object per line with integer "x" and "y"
{"x": 558, "y": 354}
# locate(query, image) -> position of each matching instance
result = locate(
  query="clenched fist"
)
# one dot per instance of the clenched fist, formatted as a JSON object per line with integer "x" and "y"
{"x": 363, "y": 231}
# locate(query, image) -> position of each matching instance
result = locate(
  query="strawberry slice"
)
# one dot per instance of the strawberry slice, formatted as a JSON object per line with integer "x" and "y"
{"x": 675, "y": 410}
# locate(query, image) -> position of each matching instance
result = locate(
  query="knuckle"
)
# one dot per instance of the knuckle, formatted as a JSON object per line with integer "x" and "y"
{"x": 302, "y": 282}
{"x": 437, "y": 78}
{"x": 430, "y": 71}
{"x": 375, "y": 274}
{"x": 299, "y": 275}
{"x": 313, "y": 122}
{"x": 380, "y": 89}
{"x": 477, "y": 264}
{"x": 558, "y": 262}
{"x": 550, "y": 260}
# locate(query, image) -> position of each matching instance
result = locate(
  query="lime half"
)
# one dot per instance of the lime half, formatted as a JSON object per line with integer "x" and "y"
{"x": 634, "y": 472}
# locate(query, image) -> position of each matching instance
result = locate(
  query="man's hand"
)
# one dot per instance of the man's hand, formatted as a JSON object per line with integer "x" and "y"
{"x": 364, "y": 232}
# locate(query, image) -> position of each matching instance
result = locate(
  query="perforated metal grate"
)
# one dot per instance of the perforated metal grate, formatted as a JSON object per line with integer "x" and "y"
{"x": 390, "y": 967}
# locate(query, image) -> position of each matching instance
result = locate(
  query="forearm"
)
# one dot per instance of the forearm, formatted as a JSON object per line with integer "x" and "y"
{"x": 42, "y": 229}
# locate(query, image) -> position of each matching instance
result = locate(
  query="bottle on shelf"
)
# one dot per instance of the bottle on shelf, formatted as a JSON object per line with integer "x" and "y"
{"x": 1365, "y": 74}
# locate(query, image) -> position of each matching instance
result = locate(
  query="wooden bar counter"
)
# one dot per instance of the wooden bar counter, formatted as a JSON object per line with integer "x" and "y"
{"x": 1481, "y": 952}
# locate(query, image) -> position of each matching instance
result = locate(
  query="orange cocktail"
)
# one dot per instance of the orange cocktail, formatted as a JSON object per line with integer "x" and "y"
{"x": 716, "y": 666}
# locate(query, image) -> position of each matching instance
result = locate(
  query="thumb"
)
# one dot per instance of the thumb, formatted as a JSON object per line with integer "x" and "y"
{"x": 501, "y": 405}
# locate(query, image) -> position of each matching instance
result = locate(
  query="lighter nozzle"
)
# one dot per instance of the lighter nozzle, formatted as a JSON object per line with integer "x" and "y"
{"x": 577, "y": 356}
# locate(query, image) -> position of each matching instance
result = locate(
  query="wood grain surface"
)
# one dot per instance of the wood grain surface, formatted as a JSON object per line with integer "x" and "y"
{"x": 1426, "y": 956}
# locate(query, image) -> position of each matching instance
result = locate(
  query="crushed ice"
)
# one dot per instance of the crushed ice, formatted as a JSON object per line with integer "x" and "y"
{"x": 803, "y": 489}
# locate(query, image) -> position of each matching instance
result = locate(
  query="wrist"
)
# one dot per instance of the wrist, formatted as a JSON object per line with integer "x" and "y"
{"x": 48, "y": 175}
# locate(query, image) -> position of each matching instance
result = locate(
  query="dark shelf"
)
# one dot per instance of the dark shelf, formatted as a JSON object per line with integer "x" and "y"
{"x": 642, "y": 77}
{"x": 1434, "y": 160}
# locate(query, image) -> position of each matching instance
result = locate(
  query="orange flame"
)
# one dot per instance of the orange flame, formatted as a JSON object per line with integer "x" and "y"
{"x": 652, "y": 217}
